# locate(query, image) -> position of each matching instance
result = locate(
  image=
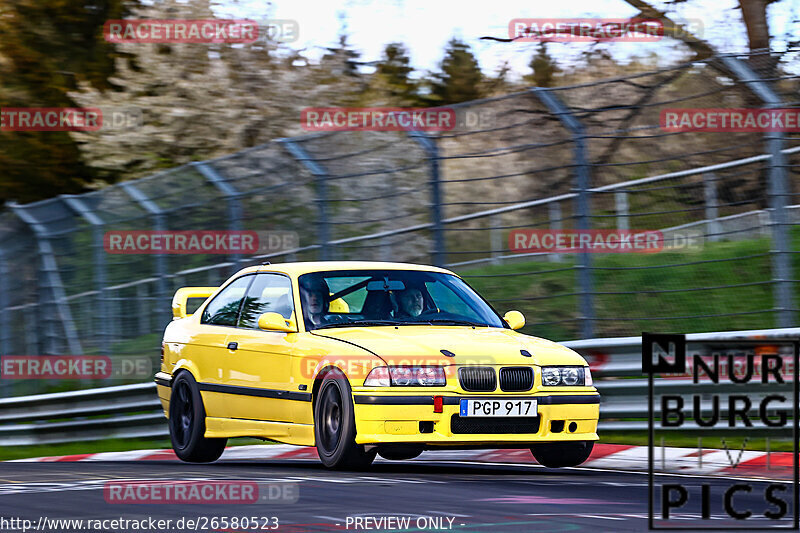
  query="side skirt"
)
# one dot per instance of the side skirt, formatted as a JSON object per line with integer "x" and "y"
{"x": 301, "y": 434}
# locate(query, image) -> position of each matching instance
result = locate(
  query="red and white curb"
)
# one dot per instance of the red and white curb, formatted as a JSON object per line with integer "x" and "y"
{"x": 779, "y": 465}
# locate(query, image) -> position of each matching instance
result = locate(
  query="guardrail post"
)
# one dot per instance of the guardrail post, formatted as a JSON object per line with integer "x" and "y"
{"x": 582, "y": 208}
{"x": 428, "y": 144}
{"x": 162, "y": 303}
{"x": 711, "y": 212}
{"x": 778, "y": 190}
{"x": 321, "y": 176}
{"x": 232, "y": 199}
{"x": 621, "y": 201}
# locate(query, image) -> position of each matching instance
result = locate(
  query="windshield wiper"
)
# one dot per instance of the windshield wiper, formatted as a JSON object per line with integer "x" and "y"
{"x": 359, "y": 323}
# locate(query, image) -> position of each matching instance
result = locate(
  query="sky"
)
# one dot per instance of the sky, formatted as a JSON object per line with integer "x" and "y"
{"x": 425, "y": 26}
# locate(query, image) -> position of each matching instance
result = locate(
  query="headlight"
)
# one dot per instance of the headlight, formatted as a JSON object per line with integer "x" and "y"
{"x": 551, "y": 376}
{"x": 406, "y": 376}
{"x": 566, "y": 376}
{"x": 569, "y": 376}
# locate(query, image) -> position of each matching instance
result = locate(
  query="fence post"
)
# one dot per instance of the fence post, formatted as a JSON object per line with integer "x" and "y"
{"x": 52, "y": 296}
{"x": 711, "y": 212}
{"x": 385, "y": 251}
{"x": 142, "y": 307}
{"x": 232, "y": 200}
{"x": 5, "y": 314}
{"x": 105, "y": 326}
{"x": 582, "y": 207}
{"x": 428, "y": 144}
{"x": 321, "y": 176}
{"x": 621, "y": 201}
{"x": 556, "y": 219}
{"x": 777, "y": 190}
{"x": 161, "y": 295}
{"x": 495, "y": 238}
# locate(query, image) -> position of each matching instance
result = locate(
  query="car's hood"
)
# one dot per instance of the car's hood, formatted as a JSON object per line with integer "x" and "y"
{"x": 424, "y": 345}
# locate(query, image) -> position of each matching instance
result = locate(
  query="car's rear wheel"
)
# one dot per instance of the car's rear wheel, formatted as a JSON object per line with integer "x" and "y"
{"x": 187, "y": 423}
{"x": 335, "y": 426}
{"x": 562, "y": 454}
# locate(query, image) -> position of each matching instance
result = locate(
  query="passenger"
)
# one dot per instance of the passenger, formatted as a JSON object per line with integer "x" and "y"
{"x": 410, "y": 303}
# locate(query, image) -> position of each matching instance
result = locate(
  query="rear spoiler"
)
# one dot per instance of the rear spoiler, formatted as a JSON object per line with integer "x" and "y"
{"x": 183, "y": 294}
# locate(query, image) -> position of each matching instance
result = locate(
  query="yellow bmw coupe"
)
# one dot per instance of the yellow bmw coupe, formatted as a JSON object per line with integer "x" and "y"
{"x": 366, "y": 358}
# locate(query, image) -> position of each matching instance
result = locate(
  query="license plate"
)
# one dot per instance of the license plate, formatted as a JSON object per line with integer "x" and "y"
{"x": 495, "y": 407}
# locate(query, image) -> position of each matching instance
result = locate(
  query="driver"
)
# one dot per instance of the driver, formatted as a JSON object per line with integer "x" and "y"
{"x": 410, "y": 303}
{"x": 314, "y": 293}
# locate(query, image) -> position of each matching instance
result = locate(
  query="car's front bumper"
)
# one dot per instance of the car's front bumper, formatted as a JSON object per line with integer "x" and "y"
{"x": 411, "y": 419}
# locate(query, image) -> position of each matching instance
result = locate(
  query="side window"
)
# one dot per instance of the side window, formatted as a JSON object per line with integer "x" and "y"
{"x": 223, "y": 310}
{"x": 268, "y": 293}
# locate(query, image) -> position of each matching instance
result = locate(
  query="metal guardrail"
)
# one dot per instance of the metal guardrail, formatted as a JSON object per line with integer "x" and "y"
{"x": 124, "y": 411}
{"x": 134, "y": 411}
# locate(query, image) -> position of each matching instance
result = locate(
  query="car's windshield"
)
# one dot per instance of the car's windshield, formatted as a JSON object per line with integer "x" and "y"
{"x": 344, "y": 298}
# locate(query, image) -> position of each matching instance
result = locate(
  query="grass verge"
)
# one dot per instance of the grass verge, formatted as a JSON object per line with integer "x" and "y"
{"x": 8, "y": 453}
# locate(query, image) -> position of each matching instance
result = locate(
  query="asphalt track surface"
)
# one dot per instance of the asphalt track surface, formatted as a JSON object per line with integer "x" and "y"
{"x": 464, "y": 496}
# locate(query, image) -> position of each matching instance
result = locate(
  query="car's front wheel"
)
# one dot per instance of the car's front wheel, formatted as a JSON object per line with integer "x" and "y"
{"x": 335, "y": 426}
{"x": 187, "y": 423}
{"x": 562, "y": 454}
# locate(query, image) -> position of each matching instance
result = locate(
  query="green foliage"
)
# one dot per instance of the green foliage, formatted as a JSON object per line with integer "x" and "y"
{"x": 544, "y": 68}
{"x": 724, "y": 278}
{"x": 460, "y": 78}
{"x": 48, "y": 48}
{"x": 393, "y": 75}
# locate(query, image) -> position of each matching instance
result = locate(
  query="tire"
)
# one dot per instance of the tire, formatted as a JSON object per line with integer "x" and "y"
{"x": 187, "y": 423}
{"x": 562, "y": 454}
{"x": 399, "y": 453}
{"x": 335, "y": 426}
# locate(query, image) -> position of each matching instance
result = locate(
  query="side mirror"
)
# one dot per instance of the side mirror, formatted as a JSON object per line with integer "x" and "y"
{"x": 183, "y": 294}
{"x": 514, "y": 319}
{"x": 275, "y": 322}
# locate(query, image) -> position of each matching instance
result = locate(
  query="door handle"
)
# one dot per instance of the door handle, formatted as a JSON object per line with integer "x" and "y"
{"x": 233, "y": 346}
